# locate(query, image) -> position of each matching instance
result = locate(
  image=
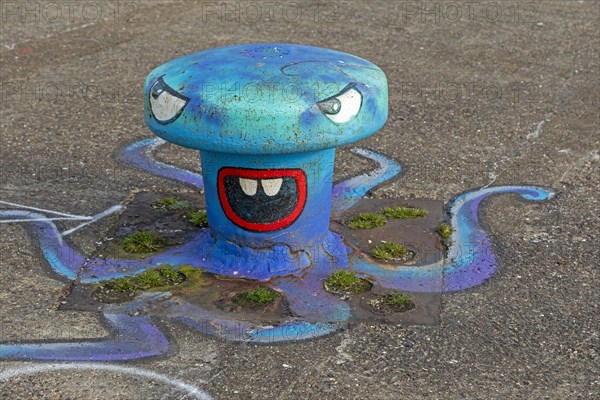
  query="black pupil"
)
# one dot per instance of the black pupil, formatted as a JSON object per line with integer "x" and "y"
{"x": 331, "y": 106}
{"x": 157, "y": 90}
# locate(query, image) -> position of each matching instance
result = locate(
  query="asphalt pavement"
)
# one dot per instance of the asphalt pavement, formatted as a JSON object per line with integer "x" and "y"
{"x": 484, "y": 93}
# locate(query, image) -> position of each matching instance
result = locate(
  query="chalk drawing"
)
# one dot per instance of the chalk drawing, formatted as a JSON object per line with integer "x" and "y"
{"x": 180, "y": 385}
{"x": 471, "y": 262}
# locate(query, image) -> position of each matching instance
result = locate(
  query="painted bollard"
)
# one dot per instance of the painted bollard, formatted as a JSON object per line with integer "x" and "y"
{"x": 267, "y": 119}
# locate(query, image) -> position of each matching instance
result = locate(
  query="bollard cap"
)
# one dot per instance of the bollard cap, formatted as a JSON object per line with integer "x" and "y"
{"x": 266, "y": 98}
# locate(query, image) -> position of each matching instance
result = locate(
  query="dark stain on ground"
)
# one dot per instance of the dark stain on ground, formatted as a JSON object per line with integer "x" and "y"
{"x": 426, "y": 310}
{"x": 420, "y": 237}
{"x": 211, "y": 292}
{"x": 418, "y": 234}
{"x": 139, "y": 215}
{"x": 215, "y": 293}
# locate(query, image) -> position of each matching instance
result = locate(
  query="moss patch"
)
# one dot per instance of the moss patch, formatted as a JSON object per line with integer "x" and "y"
{"x": 346, "y": 282}
{"x": 198, "y": 218}
{"x": 123, "y": 285}
{"x": 365, "y": 221}
{"x": 404, "y": 212}
{"x": 171, "y": 203}
{"x": 193, "y": 276}
{"x": 390, "y": 251}
{"x": 255, "y": 297}
{"x": 169, "y": 274}
{"x": 444, "y": 230}
{"x": 122, "y": 289}
{"x": 150, "y": 279}
{"x": 143, "y": 242}
{"x": 392, "y": 303}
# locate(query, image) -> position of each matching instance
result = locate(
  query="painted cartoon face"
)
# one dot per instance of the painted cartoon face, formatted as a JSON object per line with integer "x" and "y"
{"x": 266, "y": 119}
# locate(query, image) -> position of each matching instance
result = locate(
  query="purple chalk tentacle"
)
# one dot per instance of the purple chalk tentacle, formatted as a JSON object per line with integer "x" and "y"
{"x": 346, "y": 193}
{"x": 63, "y": 259}
{"x": 470, "y": 257}
{"x": 139, "y": 154}
{"x": 135, "y": 337}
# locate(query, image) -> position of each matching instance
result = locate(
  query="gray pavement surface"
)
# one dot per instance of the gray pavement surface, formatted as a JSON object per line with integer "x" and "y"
{"x": 502, "y": 93}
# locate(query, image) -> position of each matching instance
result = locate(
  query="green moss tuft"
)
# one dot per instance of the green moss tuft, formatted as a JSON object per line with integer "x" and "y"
{"x": 404, "y": 212}
{"x": 169, "y": 274}
{"x": 123, "y": 285}
{"x": 198, "y": 218}
{"x": 255, "y": 297}
{"x": 143, "y": 242}
{"x": 392, "y": 303}
{"x": 171, "y": 204}
{"x": 365, "y": 221}
{"x": 150, "y": 279}
{"x": 444, "y": 230}
{"x": 396, "y": 299}
{"x": 389, "y": 251}
{"x": 346, "y": 282}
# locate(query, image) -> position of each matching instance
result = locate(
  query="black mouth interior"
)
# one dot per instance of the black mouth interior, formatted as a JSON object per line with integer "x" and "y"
{"x": 261, "y": 208}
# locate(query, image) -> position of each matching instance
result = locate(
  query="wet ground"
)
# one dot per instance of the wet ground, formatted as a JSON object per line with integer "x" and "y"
{"x": 502, "y": 93}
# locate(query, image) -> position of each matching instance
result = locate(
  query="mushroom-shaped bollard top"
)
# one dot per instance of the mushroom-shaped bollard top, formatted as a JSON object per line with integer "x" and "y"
{"x": 266, "y": 119}
{"x": 266, "y": 99}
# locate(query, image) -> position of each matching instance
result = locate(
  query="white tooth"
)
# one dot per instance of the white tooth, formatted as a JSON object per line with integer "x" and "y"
{"x": 249, "y": 186}
{"x": 271, "y": 186}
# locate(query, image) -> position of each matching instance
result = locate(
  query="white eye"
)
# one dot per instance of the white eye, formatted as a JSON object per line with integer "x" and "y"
{"x": 165, "y": 103}
{"x": 343, "y": 106}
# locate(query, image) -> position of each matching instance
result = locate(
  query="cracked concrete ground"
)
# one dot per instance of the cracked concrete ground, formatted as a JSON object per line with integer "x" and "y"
{"x": 502, "y": 93}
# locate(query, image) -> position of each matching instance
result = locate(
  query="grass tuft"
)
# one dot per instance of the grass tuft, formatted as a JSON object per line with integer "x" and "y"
{"x": 347, "y": 282}
{"x": 149, "y": 279}
{"x": 255, "y": 297}
{"x": 444, "y": 230}
{"x": 389, "y": 251}
{"x": 171, "y": 203}
{"x": 404, "y": 212}
{"x": 365, "y": 221}
{"x": 143, "y": 242}
{"x": 198, "y": 218}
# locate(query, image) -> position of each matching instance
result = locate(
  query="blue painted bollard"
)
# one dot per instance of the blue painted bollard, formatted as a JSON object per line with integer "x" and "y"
{"x": 267, "y": 119}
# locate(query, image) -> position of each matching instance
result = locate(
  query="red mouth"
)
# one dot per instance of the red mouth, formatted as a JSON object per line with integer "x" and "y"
{"x": 262, "y": 200}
